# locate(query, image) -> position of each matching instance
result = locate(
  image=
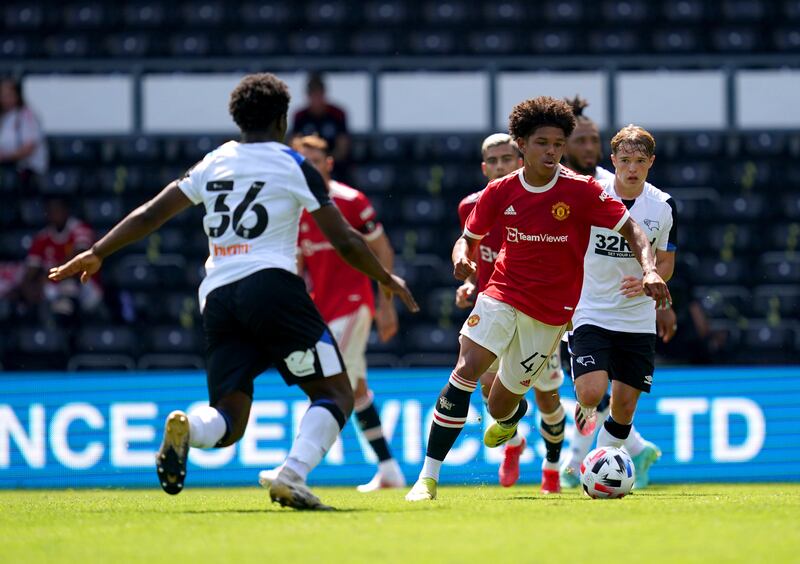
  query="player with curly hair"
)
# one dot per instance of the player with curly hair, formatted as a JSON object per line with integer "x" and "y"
{"x": 545, "y": 213}
{"x": 256, "y": 311}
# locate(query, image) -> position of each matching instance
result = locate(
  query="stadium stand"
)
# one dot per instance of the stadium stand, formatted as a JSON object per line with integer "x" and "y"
{"x": 737, "y": 192}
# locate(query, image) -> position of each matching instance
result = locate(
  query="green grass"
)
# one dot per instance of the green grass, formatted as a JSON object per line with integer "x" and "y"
{"x": 693, "y": 523}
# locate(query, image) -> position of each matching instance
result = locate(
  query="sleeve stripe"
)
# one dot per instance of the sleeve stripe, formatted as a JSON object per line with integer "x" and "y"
{"x": 622, "y": 221}
{"x": 375, "y": 234}
{"x": 472, "y": 235}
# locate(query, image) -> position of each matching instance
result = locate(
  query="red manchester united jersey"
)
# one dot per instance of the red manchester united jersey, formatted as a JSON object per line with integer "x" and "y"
{"x": 489, "y": 247}
{"x": 51, "y": 248}
{"x": 336, "y": 287}
{"x": 545, "y": 232}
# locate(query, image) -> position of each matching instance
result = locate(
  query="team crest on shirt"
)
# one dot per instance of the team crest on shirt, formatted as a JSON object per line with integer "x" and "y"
{"x": 473, "y": 320}
{"x": 560, "y": 211}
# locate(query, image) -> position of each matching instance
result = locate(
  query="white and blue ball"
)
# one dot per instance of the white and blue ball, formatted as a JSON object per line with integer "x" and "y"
{"x": 607, "y": 473}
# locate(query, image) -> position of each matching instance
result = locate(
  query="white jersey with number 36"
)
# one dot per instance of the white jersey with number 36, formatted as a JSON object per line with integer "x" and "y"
{"x": 253, "y": 194}
{"x": 609, "y": 258}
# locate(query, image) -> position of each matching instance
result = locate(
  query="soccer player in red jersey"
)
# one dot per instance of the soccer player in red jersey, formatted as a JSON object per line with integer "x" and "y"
{"x": 345, "y": 299}
{"x": 545, "y": 214}
{"x": 501, "y": 157}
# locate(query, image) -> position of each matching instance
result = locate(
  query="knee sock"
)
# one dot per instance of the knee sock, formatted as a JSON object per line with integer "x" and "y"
{"x": 635, "y": 443}
{"x": 613, "y": 434}
{"x": 207, "y": 427}
{"x": 552, "y": 431}
{"x": 370, "y": 424}
{"x": 449, "y": 417}
{"x": 319, "y": 428}
{"x": 514, "y": 417}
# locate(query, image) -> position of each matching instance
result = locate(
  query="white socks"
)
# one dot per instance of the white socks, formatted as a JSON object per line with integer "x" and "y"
{"x": 430, "y": 469}
{"x": 634, "y": 444}
{"x": 318, "y": 432}
{"x": 206, "y": 427}
{"x": 516, "y": 440}
{"x": 604, "y": 438}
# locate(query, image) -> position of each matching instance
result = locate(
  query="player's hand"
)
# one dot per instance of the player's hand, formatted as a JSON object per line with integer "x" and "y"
{"x": 631, "y": 287}
{"x": 464, "y": 295}
{"x": 666, "y": 324}
{"x": 463, "y": 268}
{"x": 397, "y": 287}
{"x": 386, "y": 321}
{"x": 86, "y": 263}
{"x": 656, "y": 288}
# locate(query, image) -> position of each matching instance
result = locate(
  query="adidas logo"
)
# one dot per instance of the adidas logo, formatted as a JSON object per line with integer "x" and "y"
{"x": 510, "y": 211}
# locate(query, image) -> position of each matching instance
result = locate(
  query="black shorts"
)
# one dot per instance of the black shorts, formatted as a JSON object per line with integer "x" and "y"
{"x": 266, "y": 319}
{"x": 627, "y": 357}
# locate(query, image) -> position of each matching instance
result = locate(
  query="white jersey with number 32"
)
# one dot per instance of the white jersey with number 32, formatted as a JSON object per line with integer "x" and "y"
{"x": 253, "y": 194}
{"x": 609, "y": 258}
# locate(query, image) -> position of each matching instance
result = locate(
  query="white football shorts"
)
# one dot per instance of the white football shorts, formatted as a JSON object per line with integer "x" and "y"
{"x": 524, "y": 346}
{"x": 351, "y": 332}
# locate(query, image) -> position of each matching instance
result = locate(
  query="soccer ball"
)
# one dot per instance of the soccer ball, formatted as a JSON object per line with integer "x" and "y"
{"x": 607, "y": 473}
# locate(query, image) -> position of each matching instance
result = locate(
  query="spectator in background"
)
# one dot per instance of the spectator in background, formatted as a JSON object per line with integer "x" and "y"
{"x": 22, "y": 142}
{"x": 62, "y": 238}
{"x": 326, "y": 120}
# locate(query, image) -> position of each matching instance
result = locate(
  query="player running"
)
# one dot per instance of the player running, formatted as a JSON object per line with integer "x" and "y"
{"x": 345, "y": 300}
{"x": 582, "y": 154}
{"x": 545, "y": 213}
{"x": 615, "y": 323}
{"x": 501, "y": 157}
{"x": 256, "y": 311}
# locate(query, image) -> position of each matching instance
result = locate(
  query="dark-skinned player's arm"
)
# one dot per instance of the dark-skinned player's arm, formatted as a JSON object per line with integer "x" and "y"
{"x": 654, "y": 285}
{"x": 138, "y": 224}
{"x": 352, "y": 247}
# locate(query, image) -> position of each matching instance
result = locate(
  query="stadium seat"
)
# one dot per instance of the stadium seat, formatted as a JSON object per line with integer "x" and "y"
{"x": 204, "y": 14}
{"x": 171, "y": 362}
{"x": 723, "y": 302}
{"x": 627, "y": 11}
{"x": 453, "y": 13}
{"x": 690, "y": 174}
{"x": 107, "y": 339}
{"x": 676, "y": 40}
{"x": 144, "y": 15}
{"x": 433, "y": 43}
{"x": 505, "y": 12}
{"x": 73, "y": 150}
{"x": 734, "y": 237}
{"x": 765, "y": 144}
{"x": 18, "y": 47}
{"x": 386, "y": 13}
{"x": 565, "y": 12}
{"x": 742, "y": 208}
{"x": 32, "y": 213}
{"x": 743, "y": 11}
{"x": 784, "y": 237}
{"x": 171, "y": 339}
{"x": 684, "y": 11}
{"x": 492, "y": 42}
{"x": 555, "y": 42}
{"x": 100, "y": 363}
{"x": 389, "y": 147}
{"x": 779, "y": 268}
{"x": 422, "y": 210}
{"x": 124, "y": 45}
{"x": 620, "y": 41}
{"x": 791, "y": 205}
{"x": 761, "y": 335}
{"x": 37, "y": 348}
{"x": 374, "y": 43}
{"x": 137, "y": 149}
{"x": 14, "y": 245}
{"x": 252, "y": 44}
{"x": 274, "y": 14}
{"x": 718, "y": 272}
{"x": 331, "y": 13}
{"x": 426, "y": 337}
{"x": 194, "y": 44}
{"x": 24, "y": 17}
{"x": 376, "y": 178}
{"x": 736, "y": 40}
{"x": 67, "y": 46}
{"x": 314, "y": 43}
{"x": 103, "y": 212}
{"x": 703, "y": 144}
{"x": 786, "y": 39}
{"x": 781, "y": 299}
{"x": 87, "y": 15}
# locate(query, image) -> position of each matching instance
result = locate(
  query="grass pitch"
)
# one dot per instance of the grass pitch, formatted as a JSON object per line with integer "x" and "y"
{"x": 693, "y": 523}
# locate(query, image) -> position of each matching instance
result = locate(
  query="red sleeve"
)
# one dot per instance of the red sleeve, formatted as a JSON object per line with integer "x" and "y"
{"x": 465, "y": 206}
{"x": 36, "y": 252}
{"x": 362, "y": 216}
{"x": 485, "y": 212}
{"x": 603, "y": 210}
{"x": 82, "y": 237}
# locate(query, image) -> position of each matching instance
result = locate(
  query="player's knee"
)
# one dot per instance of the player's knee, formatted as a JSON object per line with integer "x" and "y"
{"x": 590, "y": 390}
{"x": 547, "y": 402}
{"x": 236, "y": 425}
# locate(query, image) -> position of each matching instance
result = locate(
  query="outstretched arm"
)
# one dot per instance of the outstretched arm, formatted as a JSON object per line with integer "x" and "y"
{"x": 354, "y": 250}
{"x": 138, "y": 224}
{"x": 385, "y": 314}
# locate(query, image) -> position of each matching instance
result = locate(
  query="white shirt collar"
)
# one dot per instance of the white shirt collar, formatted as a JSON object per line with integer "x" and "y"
{"x": 539, "y": 189}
